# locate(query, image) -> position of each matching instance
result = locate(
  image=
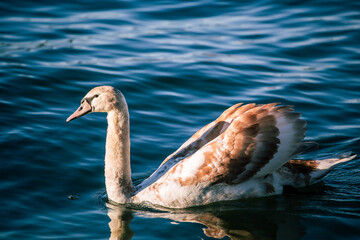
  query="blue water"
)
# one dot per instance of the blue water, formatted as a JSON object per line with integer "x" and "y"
{"x": 179, "y": 65}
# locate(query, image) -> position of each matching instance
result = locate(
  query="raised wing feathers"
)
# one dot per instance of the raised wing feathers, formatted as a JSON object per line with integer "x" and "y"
{"x": 258, "y": 140}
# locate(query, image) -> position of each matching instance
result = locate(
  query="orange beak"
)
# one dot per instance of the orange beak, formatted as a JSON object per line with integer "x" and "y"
{"x": 84, "y": 109}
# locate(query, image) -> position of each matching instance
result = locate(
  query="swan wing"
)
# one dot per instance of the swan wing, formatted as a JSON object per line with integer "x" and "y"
{"x": 259, "y": 139}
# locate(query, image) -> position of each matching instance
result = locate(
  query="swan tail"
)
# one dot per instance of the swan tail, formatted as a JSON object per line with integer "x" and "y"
{"x": 301, "y": 173}
{"x": 324, "y": 166}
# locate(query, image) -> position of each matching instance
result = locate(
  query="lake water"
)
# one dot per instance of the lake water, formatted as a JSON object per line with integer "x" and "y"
{"x": 179, "y": 65}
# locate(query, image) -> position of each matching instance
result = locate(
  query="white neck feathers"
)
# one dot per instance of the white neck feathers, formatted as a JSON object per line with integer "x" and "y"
{"x": 117, "y": 156}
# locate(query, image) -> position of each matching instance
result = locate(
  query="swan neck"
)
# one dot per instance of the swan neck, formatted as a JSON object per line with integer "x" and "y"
{"x": 117, "y": 156}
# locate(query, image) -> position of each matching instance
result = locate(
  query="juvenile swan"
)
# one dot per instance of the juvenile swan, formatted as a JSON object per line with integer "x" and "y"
{"x": 246, "y": 152}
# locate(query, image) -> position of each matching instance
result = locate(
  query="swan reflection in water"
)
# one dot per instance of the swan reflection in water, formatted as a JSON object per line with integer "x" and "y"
{"x": 219, "y": 221}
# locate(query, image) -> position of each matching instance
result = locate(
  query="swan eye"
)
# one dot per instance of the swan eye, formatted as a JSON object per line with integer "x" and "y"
{"x": 96, "y": 95}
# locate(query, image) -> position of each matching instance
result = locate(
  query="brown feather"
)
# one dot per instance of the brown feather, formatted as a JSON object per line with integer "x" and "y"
{"x": 240, "y": 149}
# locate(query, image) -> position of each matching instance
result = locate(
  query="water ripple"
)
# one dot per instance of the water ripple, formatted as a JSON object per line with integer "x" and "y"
{"x": 179, "y": 64}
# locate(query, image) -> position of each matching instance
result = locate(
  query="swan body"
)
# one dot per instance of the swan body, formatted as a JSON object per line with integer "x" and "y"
{"x": 246, "y": 152}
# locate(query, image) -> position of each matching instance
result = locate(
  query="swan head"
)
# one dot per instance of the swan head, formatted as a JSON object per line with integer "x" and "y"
{"x": 99, "y": 99}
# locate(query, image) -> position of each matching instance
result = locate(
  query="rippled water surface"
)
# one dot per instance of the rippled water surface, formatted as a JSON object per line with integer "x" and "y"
{"x": 179, "y": 65}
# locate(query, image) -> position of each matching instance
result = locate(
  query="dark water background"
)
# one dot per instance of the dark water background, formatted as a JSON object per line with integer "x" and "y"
{"x": 179, "y": 65}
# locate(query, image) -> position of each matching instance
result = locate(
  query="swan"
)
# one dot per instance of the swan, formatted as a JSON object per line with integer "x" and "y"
{"x": 246, "y": 152}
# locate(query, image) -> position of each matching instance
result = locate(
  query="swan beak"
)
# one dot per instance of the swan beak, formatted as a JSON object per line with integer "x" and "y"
{"x": 84, "y": 109}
